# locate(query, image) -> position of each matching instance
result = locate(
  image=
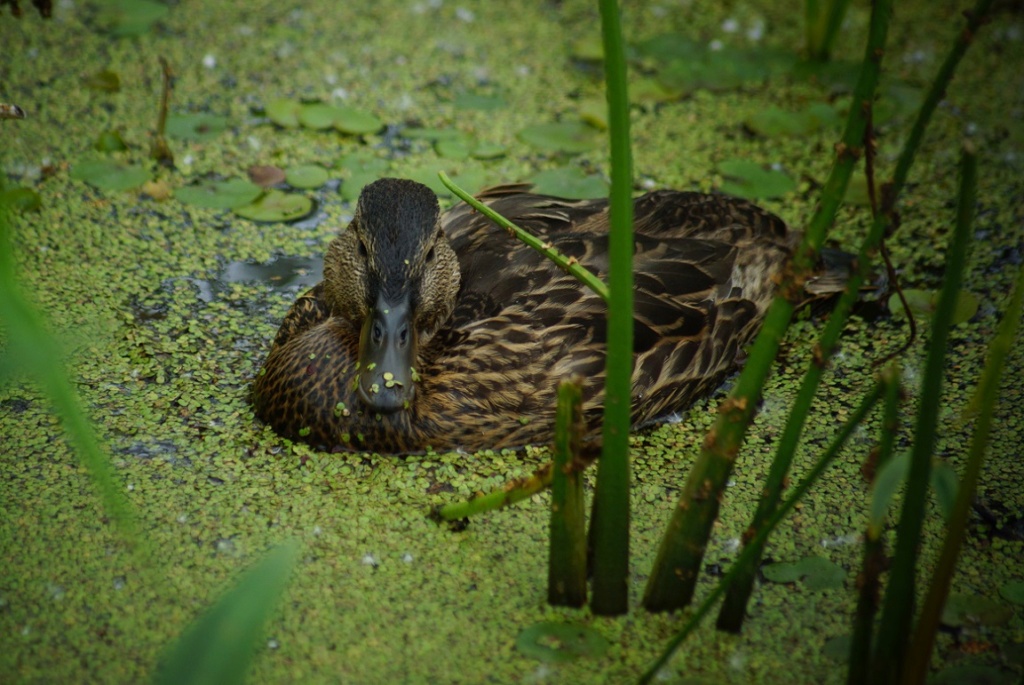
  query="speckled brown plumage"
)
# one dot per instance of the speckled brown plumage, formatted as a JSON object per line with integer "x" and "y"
{"x": 496, "y": 329}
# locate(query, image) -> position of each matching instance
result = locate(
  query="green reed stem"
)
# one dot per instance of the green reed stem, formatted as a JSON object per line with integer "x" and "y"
{"x": 898, "y": 609}
{"x": 611, "y": 496}
{"x": 567, "y": 555}
{"x": 746, "y": 557}
{"x": 682, "y": 548}
{"x": 507, "y": 495}
{"x": 873, "y": 561}
{"x": 582, "y": 274}
{"x": 923, "y": 639}
{"x": 823, "y": 19}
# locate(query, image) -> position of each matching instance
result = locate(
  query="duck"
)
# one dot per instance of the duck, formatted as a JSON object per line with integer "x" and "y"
{"x": 437, "y": 332}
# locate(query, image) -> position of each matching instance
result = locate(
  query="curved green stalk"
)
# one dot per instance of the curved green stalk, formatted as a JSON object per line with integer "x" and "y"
{"x": 506, "y": 495}
{"x": 582, "y": 274}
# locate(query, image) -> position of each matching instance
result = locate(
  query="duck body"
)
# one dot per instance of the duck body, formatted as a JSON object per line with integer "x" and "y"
{"x": 443, "y": 332}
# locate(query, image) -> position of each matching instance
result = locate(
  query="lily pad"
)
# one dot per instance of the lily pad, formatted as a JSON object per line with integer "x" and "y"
{"x": 198, "y": 127}
{"x": 571, "y": 137}
{"x": 454, "y": 148}
{"x": 773, "y": 122}
{"x": 360, "y": 169}
{"x": 307, "y": 176}
{"x": 553, "y": 642}
{"x": 20, "y": 199}
{"x": 1013, "y": 592}
{"x": 486, "y": 103}
{"x": 107, "y": 174}
{"x": 320, "y": 116}
{"x": 356, "y": 122}
{"x": 594, "y": 111}
{"x": 817, "y": 573}
{"x": 317, "y": 116}
{"x": 975, "y": 609}
{"x": 923, "y": 303}
{"x": 432, "y": 134}
{"x": 471, "y": 178}
{"x": 220, "y": 194}
{"x": 975, "y": 674}
{"x": 126, "y": 18}
{"x": 569, "y": 182}
{"x": 284, "y": 112}
{"x": 266, "y": 175}
{"x": 748, "y": 179}
{"x": 489, "y": 151}
{"x": 276, "y": 206}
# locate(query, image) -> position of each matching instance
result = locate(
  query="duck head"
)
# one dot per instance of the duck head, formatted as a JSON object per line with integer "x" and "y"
{"x": 392, "y": 274}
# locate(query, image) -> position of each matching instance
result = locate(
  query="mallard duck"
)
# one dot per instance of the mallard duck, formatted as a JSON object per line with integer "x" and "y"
{"x": 440, "y": 331}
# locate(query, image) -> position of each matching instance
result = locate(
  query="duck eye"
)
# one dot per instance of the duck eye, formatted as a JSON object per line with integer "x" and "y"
{"x": 377, "y": 333}
{"x": 430, "y": 255}
{"x": 362, "y": 249}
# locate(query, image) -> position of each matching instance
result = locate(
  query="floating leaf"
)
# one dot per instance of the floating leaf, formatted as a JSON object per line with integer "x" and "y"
{"x": 20, "y": 199}
{"x": 975, "y": 609}
{"x": 553, "y": 642}
{"x": 838, "y": 648}
{"x": 472, "y": 178}
{"x": 975, "y": 674}
{"x": 887, "y": 481}
{"x": 648, "y": 90}
{"x": 571, "y": 137}
{"x": 668, "y": 47}
{"x": 317, "y": 115}
{"x": 1013, "y": 592}
{"x": 276, "y": 206}
{"x": 817, "y": 573}
{"x": 750, "y": 180}
{"x": 220, "y": 646}
{"x": 126, "y": 18}
{"x": 307, "y": 176}
{"x": 199, "y": 127}
{"x": 433, "y": 134}
{"x": 569, "y": 182}
{"x": 945, "y": 483}
{"x": 356, "y": 122}
{"x": 106, "y": 81}
{"x": 361, "y": 168}
{"x": 107, "y": 174}
{"x": 284, "y": 113}
{"x": 772, "y": 122}
{"x": 486, "y": 103}
{"x": 220, "y": 194}
{"x": 857, "y": 192}
{"x": 454, "y": 148}
{"x": 924, "y": 302}
{"x": 588, "y": 48}
{"x": 489, "y": 151}
{"x": 110, "y": 141}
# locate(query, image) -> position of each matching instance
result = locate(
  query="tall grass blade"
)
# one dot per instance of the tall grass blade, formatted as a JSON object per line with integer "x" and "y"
{"x": 567, "y": 555}
{"x": 219, "y": 647}
{"x": 898, "y": 607}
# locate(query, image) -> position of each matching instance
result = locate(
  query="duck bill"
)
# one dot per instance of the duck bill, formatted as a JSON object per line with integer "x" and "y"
{"x": 387, "y": 356}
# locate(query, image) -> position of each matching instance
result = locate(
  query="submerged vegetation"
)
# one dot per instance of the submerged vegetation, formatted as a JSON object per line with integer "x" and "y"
{"x": 358, "y": 517}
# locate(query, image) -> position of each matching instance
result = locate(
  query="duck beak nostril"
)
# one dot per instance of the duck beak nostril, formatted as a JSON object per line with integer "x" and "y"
{"x": 387, "y": 355}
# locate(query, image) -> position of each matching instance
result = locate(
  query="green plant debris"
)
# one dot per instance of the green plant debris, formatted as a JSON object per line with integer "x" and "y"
{"x": 106, "y": 81}
{"x": 922, "y": 303}
{"x": 109, "y": 141}
{"x": 21, "y": 199}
